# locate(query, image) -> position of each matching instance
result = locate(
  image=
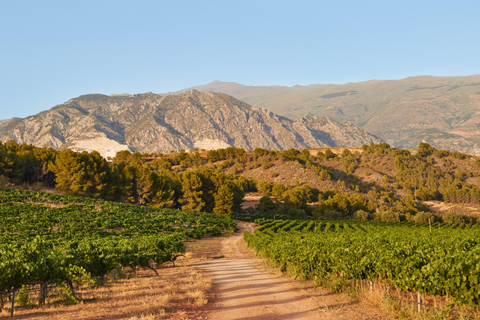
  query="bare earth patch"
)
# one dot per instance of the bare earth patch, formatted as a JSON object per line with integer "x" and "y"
{"x": 443, "y": 207}
{"x": 243, "y": 289}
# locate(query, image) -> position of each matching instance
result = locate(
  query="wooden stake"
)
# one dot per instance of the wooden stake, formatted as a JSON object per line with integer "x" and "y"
{"x": 13, "y": 303}
{"x": 419, "y": 303}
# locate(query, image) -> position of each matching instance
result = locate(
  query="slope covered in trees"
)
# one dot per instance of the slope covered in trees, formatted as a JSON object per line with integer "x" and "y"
{"x": 374, "y": 180}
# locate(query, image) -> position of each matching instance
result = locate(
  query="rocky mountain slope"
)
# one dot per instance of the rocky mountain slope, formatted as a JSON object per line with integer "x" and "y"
{"x": 154, "y": 123}
{"x": 443, "y": 111}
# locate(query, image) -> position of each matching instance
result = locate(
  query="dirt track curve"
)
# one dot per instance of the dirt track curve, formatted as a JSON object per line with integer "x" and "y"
{"x": 245, "y": 291}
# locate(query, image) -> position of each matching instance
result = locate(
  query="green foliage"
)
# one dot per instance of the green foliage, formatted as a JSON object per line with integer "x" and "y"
{"x": 191, "y": 192}
{"x": 344, "y": 203}
{"x": 266, "y": 204}
{"x": 224, "y": 200}
{"x": 413, "y": 258}
{"x": 86, "y": 238}
{"x": 330, "y": 155}
{"x": 320, "y": 213}
{"x": 453, "y": 218}
{"x": 266, "y": 165}
{"x": 425, "y": 217}
{"x": 158, "y": 180}
{"x": 362, "y": 215}
{"x": 389, "y": 216}
{"x": 82, "y": 173}
{"x": 424, "y": 150}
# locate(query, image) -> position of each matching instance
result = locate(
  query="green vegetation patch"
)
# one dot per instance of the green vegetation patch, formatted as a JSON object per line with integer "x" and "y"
{"x": 432, "y": 259}
{"x": 339, "y": 94}
{"x": 51, "y": 239}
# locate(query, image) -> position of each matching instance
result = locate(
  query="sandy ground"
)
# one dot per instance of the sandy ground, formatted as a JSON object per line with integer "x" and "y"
{"x": 443, "y": 207}
{"x": 243, "y": 289}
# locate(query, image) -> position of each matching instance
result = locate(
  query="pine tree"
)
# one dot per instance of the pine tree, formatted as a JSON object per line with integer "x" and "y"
{"x": 224, "y": 200}
{"x": 192, "y": 192}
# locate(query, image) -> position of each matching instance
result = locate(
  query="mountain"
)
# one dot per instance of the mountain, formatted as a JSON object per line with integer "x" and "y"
{"x": 154, "y": 123}
{"x": 443, "y": 111}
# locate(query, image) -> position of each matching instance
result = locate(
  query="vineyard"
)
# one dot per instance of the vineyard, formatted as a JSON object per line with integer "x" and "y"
{"x": 47, "y": 239}
{"x": 434, "y": 259}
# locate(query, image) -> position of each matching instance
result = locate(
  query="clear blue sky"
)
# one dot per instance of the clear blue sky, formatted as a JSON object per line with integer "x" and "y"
{"x": 51, "y": 51}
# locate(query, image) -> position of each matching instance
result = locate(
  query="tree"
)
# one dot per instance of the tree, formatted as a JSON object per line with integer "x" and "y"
{"x": 192, "y": 191}
{"x": 82, "y": 173}
{"x": 424, "y": 149}
{"x": 224, "y": 200}
{"x": 154, "y": 189}
{"x": 266, "y": 204}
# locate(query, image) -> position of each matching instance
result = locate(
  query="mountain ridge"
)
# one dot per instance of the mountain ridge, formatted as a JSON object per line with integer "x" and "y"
{"x": 154, "y": 123}
{"x": 442, "y": 111}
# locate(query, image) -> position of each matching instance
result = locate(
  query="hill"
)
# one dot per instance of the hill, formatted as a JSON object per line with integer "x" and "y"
{"x": 153, "y": 123}
{"x": 442, "y": 111}
{"x": 377, "y": 179}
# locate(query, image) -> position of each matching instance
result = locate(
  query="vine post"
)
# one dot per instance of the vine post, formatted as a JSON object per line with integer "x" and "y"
{"x": 419, "y": 302}
{"x": 13, "y": 303}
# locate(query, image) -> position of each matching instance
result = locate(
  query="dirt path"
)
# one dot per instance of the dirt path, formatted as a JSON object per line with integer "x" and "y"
{"x": 244, "y": 290}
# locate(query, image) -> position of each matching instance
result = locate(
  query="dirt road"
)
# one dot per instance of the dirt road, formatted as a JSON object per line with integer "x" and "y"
{"x": 244, "y": 290}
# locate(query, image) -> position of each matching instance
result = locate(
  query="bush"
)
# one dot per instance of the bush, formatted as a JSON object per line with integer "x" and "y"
{"x": 4, "y": 180}
{"x": 266, "y": 165}
{"x": 362, "y": 215}
{"x": 266, "y": 204}
{"x": 296, "y": 212}
{"x": 424, "y": 217}
{"x": 390, "y": 216}
{"x": 321, "y": 213}
{"x": 454, "y": 218}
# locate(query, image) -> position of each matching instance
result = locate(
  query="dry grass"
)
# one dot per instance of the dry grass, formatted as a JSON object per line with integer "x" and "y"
{"x": 177, "y": 293}
{"x": 404, "y": 305}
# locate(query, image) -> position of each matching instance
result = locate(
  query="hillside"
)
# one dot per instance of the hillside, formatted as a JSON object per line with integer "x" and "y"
{"x": 442, "y": 111}
{"x": 375, "y": 179}
{"x": 399, "y": 180}
{"x": 152, "y": 123}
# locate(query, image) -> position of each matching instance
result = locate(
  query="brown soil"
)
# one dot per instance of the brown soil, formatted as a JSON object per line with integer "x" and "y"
{"x": 442, "y": 207}
{"x": 243, "y": 289}
{"x": 250, "y": 201}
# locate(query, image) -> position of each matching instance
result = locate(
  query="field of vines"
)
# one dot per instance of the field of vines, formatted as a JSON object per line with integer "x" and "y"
{"x": 430, "y": 259}
{"x": 47, "y": 239}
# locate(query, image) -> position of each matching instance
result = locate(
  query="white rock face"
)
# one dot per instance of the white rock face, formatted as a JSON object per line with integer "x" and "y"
{"x": 211, "y": 144}
{"x": 106, "y": 147}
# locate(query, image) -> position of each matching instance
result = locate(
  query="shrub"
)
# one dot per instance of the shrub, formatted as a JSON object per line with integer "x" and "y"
{"x": 4, "y": 180}
{"x": 321, "y": 213}
{"x": 266, "y": 165}
{"x": 424, "y": 217}
{"x": 362, "y": 215}
{"x": 390, "y": 216}
{"x": 454, "y": 218}
{"x": 266, "y": 204}
{"x": 296, "y": 212}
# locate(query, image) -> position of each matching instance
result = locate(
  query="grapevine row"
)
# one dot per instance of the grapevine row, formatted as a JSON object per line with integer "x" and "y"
{"x": 434, "y": 260}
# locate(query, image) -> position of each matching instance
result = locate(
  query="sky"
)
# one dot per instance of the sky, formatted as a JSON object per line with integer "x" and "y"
{"x": 52, "y": 51}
